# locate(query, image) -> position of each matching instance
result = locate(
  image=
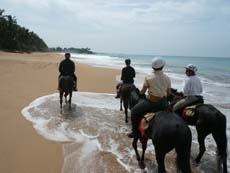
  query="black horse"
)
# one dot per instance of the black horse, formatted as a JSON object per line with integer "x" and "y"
{"x": 65, "y": 88}
{"x": 124, "y": 98}
{"x": 167, "y": 131}
{"x": 207, "y": 120}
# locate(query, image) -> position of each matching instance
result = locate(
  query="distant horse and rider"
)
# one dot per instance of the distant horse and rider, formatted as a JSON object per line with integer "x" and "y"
{"x": 67, "y": 81}
{"x": 125, "y": 86}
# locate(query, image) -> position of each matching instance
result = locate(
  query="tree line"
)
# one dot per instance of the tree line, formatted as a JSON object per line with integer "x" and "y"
{"x": 16, "y": 38}
{"x": 72, "y": 50}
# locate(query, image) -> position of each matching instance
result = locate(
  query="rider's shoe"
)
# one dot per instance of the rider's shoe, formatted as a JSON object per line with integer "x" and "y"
{"x": 131, "y": 135}
{"x": 75, "y": 89}
{"x": 117, "y": 97}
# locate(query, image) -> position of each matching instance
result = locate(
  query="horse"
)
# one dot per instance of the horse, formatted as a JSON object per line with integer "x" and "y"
{"x": 124, "y": 98}
{"x": 167, "y": 131}
{"x": 207, "y": 120}
{"x": 65, "y": 88}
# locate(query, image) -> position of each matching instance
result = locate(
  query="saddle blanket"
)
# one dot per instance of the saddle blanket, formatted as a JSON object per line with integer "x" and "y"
{"x": 189, "y": 111}
{"x": 144, "y": 123}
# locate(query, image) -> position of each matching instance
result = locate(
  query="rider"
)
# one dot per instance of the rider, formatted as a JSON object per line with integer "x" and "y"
{"x": 192, "y": 89}
{"x": 127, "y": 75}
{"x": 158, "y": 85}
{"x": 67, "y": 67}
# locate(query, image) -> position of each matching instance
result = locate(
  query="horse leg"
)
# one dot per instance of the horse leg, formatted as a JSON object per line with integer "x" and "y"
{"x": 141, "y": 162}
{"x": 126, "y": 110}
{"x": 61, "y": 96}
{"x": 160, "y": 157}
{"x": 221, "y": 142}
{"x": 120, "y": 104}
{"x": 65, "y": 98}
{"x": 135, "y": 148}
{"x": 201, "y": 137}
{"x": 70, "y": 98}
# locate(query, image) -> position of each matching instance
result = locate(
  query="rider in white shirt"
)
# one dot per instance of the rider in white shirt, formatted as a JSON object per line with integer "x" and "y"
{"x": 192, "y": 89}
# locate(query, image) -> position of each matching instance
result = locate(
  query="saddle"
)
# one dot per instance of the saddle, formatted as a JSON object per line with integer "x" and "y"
{"x": 127, "y": 86}
{"x": 190, "y": 110}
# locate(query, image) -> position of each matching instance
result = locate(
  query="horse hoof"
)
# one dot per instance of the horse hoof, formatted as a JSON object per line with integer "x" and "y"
{"x": 142, "y": 165}
{"x": 196, "y": 162}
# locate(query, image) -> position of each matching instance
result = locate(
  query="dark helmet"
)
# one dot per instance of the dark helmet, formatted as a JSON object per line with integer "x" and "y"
{"x": 127, "y": 61}
{"x": 67, "y": 55}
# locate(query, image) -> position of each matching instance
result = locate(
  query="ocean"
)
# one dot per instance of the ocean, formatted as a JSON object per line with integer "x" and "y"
{"x": 95, "y": 130}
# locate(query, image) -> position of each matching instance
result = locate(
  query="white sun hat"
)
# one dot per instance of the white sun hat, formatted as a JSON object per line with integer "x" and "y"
{"x": 191, "y": 67}
{"x": 158, "y": 62}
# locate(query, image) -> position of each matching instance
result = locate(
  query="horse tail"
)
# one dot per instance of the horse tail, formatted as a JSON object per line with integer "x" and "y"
{"x": 222, "y": 149}
{"x": 221, "y": 139}
{"x": 183, "y": 148}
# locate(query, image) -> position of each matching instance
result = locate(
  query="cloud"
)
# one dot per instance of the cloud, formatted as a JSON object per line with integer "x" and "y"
{"x": 125, "y": 24}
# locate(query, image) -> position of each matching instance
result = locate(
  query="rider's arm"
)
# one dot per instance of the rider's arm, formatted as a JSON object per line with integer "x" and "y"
{"x": 143, "y": 90}
{"x": 60, "y": 67}
{"x": 145, "y": 86}
{"x": 122, "y": 74}
{"x": 73, "y": 67}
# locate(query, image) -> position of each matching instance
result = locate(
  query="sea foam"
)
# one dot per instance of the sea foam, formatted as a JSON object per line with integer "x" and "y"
{"x": 95, "y": 130}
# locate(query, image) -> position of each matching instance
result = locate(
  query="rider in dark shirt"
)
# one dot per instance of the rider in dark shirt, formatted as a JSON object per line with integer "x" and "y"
{"x": 127, "y": 75}
{"x": 67, "y": 67}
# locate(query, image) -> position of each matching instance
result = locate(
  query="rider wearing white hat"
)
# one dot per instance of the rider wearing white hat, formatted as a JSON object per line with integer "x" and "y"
{"x": 192, "y": 88}
{"x": 158, "y": 86}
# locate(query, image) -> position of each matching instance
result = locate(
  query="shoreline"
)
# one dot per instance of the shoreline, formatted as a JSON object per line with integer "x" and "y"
{"x": 25, "y": 77}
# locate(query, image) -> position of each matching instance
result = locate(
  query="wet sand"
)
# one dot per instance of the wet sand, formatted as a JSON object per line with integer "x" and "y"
{"x": 24, "y": 77}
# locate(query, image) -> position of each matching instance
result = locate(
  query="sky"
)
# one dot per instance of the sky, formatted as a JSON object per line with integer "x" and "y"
{"x": 157, "y": 27}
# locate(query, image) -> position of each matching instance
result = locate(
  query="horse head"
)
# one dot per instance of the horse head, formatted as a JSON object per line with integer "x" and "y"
{"x": 135, "y": 97}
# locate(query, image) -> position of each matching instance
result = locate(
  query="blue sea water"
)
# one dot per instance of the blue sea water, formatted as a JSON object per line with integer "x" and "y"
{"x": 213, "y": 68}
{"x": 214, "y": 72}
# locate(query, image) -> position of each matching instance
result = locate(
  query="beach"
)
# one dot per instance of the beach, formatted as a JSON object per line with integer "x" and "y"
{"x": 24, "y": 77}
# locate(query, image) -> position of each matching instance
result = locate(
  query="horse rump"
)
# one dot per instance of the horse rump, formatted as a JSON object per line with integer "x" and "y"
{"x": 66, "y": 83}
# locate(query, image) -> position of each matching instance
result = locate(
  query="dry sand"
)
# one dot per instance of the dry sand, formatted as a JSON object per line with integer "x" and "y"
{"x": 23, "y": 78}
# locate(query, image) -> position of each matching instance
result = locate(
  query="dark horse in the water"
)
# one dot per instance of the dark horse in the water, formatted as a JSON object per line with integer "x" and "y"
{"x": 65, "y": 88}
{"x": 167, "y": 131}
{"x": 124, "y": 97}
{"x": 207, "y": 120}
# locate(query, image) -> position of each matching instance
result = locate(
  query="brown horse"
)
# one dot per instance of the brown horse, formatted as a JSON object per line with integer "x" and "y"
{"x": 167, "y": 131}
{"x": 65, "y": 88}
{"x": 207, "y": 120}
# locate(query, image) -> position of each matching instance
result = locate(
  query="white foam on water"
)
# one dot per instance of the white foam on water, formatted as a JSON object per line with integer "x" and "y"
{"x": 96, "y": 125}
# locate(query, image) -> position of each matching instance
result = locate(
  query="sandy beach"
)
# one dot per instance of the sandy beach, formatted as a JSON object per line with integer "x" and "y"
{"x": 24, "y": 77}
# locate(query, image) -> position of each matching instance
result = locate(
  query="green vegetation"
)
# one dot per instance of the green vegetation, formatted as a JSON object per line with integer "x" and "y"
{"x": 72, "y": 50}
{"x": 15, "y": 38}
